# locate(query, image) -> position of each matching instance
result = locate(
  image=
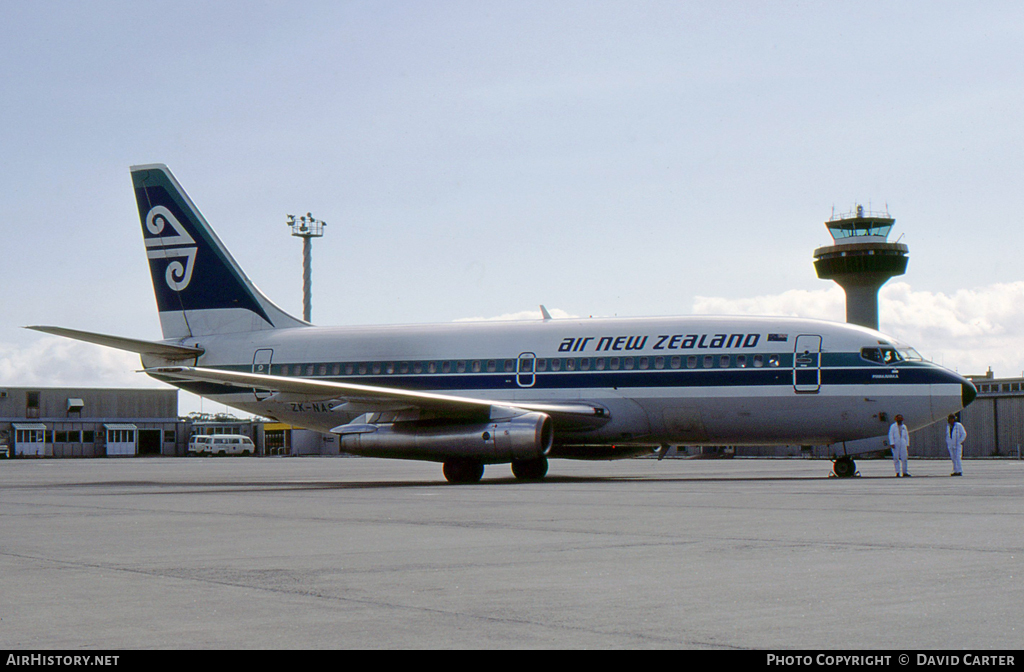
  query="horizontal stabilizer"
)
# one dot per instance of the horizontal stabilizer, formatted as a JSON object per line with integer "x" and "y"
{"x": 163, "y": 350}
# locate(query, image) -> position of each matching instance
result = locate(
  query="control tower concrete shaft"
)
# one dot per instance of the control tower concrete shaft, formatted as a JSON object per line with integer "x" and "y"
{"x": 861, "y": 261}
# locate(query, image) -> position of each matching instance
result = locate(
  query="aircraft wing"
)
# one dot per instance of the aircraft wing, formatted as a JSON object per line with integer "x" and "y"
{"x": 369, "y": 398}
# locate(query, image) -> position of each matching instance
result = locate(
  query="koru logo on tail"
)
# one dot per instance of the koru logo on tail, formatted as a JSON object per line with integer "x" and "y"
{"x": 173, "y": 244}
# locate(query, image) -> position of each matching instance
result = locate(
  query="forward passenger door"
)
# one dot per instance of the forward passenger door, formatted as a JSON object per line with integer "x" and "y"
{"x": 807, "y": 364}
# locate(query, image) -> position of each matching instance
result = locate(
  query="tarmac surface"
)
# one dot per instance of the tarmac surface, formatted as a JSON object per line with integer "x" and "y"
{"x": 281, "y": 553}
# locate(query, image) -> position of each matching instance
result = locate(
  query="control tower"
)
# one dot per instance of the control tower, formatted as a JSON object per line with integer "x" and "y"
{"x": 861, "y": 261}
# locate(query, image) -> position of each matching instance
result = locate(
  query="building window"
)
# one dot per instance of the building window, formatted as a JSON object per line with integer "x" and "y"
{"x": 31, "y": 404}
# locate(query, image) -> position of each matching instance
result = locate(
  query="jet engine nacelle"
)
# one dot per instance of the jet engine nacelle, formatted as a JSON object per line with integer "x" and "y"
{"x": 524, "y": 437}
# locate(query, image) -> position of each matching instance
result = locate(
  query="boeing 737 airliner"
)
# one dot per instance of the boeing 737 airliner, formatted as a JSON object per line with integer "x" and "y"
{"x": 471, "y": 394}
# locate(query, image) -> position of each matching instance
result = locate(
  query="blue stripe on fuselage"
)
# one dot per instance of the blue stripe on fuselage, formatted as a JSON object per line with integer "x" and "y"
{"x": 650, "y": 378}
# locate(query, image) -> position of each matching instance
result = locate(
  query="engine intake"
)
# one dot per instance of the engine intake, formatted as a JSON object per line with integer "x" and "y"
{"x": 524, "y": 437}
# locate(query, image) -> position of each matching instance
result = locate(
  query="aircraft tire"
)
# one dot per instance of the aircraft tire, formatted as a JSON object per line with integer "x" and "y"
{"x": 844, "y": 467}
{"x": 463, "y": 471}
{"x": 530, "y": 470}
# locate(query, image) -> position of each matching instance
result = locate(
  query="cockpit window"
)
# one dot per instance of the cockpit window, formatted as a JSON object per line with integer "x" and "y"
{"x": 885, "y": 355}
{"x": 910, "y": 354}
{"x": 871, "y": 354}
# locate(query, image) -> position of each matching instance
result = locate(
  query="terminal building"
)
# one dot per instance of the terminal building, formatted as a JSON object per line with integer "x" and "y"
{"x": 90, "y": 422}
{"x": 93, "y": 422}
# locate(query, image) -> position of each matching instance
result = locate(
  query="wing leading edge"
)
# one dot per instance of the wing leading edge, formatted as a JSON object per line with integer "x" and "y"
{"x": 368, "y": 398}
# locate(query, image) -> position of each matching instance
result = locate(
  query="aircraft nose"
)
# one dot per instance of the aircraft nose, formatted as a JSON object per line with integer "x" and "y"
{"x": 968, "y": 393}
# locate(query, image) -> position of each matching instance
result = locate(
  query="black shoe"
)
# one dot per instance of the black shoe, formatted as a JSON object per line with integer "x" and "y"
{"x": 906, "y": 475}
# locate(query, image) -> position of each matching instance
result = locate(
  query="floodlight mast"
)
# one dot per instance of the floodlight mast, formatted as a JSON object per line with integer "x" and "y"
{"x": 307, "y": 227}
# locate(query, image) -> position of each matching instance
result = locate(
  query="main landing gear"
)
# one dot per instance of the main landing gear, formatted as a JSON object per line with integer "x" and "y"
{"x": 844, "y": 467}
{"x": 530, "y": 470}
{"x": 471, "y": 471}
{"x": 463, "y": 471}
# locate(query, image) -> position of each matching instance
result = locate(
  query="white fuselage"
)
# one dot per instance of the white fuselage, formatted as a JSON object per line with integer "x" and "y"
{"x": 687, "y": 380}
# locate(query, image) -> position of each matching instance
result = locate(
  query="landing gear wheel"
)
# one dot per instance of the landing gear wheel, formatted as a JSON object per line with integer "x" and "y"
{"x": 463, "y": 471}
{"x": 530, "y": 470}
{"x": 844, "y": 467}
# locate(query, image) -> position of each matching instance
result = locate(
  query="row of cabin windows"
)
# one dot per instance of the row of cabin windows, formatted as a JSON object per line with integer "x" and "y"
{"x": 541, "y": 365}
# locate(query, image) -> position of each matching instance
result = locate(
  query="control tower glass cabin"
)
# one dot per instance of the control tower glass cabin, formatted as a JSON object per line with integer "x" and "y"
{"x": 861, "y": 261}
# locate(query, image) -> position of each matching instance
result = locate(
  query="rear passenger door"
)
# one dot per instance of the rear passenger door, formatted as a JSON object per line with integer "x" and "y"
{"x": 261, "y": 364}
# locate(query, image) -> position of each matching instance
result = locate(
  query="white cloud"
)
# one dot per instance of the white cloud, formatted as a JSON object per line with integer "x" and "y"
{"x": 555, "y": 313}
{"x": 823, "y": 304}
{"x": 969, "y": 331}
{"x": 59, "y": 362}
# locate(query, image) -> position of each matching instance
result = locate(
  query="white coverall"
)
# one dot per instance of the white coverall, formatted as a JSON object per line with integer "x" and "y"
{"x": 955, "y": 437}
{"x": 899, "y": 439}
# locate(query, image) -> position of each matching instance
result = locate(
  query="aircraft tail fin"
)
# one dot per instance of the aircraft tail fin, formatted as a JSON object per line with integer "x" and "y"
{"x": 200, "y": 289}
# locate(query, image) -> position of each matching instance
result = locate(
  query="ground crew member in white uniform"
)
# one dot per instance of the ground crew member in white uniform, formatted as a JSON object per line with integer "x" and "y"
{"x": 899, "y": 439}
{"x": 955, "y": 437}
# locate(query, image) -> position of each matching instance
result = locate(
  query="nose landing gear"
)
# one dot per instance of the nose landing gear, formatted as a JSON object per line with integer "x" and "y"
{"x": 844, "y": 467}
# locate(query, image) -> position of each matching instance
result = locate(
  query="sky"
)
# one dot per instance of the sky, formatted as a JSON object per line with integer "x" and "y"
{"x": 476, "y": 159}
